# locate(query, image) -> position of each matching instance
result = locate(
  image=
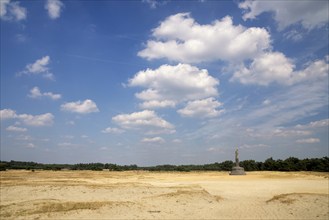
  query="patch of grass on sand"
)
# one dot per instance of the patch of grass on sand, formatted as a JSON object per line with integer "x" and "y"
{"x": 51, "y": 207}
{"x": 283, "y": 198}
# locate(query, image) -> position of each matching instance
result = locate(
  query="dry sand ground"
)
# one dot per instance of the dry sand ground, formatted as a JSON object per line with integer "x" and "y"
{"x": 163, "y": 195}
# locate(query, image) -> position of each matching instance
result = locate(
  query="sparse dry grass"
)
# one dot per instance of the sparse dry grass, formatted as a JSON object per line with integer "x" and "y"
{"x": 51, "y": 207}
{"x": 190, "y": 195}
{"x": 283, "y": 198}
{"x": 290, "y": 198}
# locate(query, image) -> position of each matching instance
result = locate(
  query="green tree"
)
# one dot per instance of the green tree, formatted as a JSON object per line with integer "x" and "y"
{"x": 270, "y": 164}
{"x": 249, "y": 165}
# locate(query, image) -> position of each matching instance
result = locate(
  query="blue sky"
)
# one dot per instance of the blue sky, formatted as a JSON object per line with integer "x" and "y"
{"x": 163, "y": 82}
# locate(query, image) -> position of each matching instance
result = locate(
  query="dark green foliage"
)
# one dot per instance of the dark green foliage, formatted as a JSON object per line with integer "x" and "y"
{"x": 289, "y": 164}
{"x": 3, "y": 167}
{"x": 88, "y": 166}
{"x": 226, "y": 165}
{"x": 270, "y": 164}
{"x": 317, "y": 164}
{"x": 250, "y": 165}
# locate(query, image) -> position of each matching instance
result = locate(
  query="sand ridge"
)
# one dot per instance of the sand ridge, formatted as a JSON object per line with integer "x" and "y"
{"x": 163, "y": 195}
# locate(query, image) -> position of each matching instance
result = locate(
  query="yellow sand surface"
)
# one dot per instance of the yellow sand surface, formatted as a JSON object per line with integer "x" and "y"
{"x": 163, "y": 195}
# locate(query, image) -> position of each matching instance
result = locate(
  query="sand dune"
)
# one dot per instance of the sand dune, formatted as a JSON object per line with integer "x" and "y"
{"x": 163, "y": 195}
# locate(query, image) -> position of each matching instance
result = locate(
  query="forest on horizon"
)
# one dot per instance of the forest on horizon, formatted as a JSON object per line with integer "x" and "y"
{"x": 270, "y": 164}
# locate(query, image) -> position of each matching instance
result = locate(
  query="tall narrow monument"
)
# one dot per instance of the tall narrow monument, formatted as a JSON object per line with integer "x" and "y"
{"x": 237, "y": 170}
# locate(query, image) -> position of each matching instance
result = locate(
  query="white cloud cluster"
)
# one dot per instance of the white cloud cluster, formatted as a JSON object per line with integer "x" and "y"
{"x": 12, "y": 11}
{"x": 308, "y": 141}
{"x": 110, "y": 130}
{"x": 251, "y": 146}
{"x": 310, "y": 14}
{"x": 85, "y": 107}
{"x": 146, "y": 119}
{"x": 203, "y": 108}
{"x": 152, "y": 104}
{"x": 281, "y": 132}
{"x": 276, "y": 67}
{"x": 16, "y": 129}
{"x": 30, "y": 145}
{"x": 315, "y": 124}
{"x": 7, "y": 114}
{"x": 54, "y": 8}
{"x": 37, "y": 120}
{"x": 248, "y": 51}
{"x": 46, "y": 119}
{"x": 40, "y": 66}
{"x": 180, "y": 38}
{"x": 158, "y": 140}
{"x": 320, "y": 123}
{"x": 169, "y": 85}
{"x": 274, "y": 132}
{"x": 154, "y": 3}
{"x": 36, "y": 93}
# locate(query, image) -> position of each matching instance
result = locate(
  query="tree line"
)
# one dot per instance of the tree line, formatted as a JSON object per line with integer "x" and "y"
{"x": 289, "y": 164}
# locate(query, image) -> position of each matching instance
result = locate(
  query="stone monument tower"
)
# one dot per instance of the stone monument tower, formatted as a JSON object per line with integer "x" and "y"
{"x": 237, "y": 170}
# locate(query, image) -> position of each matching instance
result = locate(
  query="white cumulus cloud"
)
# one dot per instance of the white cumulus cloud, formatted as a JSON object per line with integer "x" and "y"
{"x": 46, "y": 119}
{"x": 54, "y": 8}
{"x": 110, "y": 130}
{"x": 169, "y": 85}
{"x": 308, "y": 141}
{"x": 16, "y": 129}
{"x": 39, "y": 67}
{"x": 153, "y": 3}
{"x": 180, "y": 38}
{"x": 248, "y": 51}
{"x": 30, "y": 145}
{"x": 12, "y": 11}
{"x": 267, "y": 102}
{"x": 146, "y": 119}
{"x": 36, "y": 93}
{"x": 250, "y": 146}
{"x": 315, "y": 124}
{"x": 7, "y": 114}
{"x": 203, "y": 108}
{"x": 157, "y": 104}
{"x": 310, "y": 14}
{"x": 158, "y": 140}
{"x": 320, "y": 123}
{"x": 281, "y": 132}
{"x": 82, "y": 107}
{"x": 275, "y": 67}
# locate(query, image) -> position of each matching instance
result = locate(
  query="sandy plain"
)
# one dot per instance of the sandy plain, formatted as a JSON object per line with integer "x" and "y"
{"x": 163, "y": 195}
